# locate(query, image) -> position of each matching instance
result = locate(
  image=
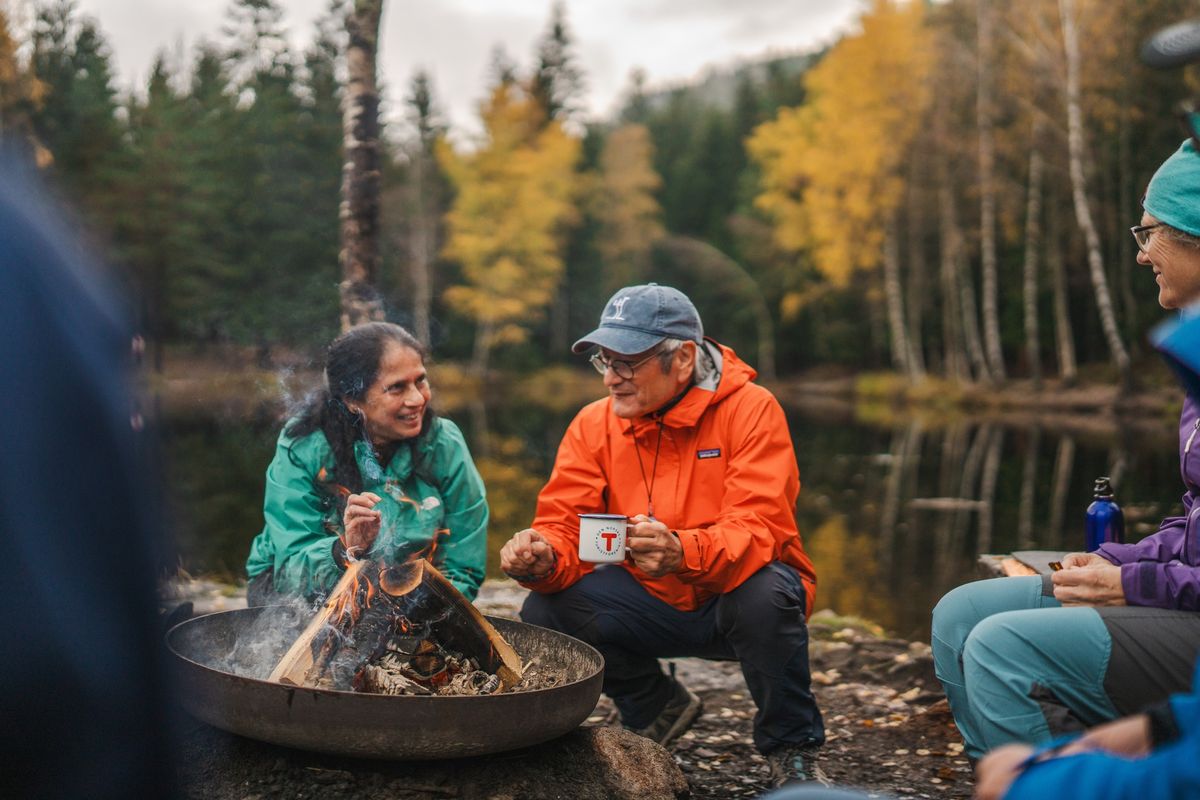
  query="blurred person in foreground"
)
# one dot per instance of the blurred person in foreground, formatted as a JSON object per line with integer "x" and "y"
{"x": 83, "y": 694}
{"x": 699, "y": 457}
{"x": 368, "y": 468}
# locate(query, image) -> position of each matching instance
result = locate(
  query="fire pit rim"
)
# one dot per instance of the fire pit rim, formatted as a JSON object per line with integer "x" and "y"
{"x": 333, "y": 722}
{"x": 321, "y": 690}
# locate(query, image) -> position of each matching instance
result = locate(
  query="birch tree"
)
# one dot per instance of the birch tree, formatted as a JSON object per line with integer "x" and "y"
{"x": 1029, "y": 283}
{"x": 987, "y": 193}
{"x": 359, "y": 215}
{"x": 1083, "y": 211}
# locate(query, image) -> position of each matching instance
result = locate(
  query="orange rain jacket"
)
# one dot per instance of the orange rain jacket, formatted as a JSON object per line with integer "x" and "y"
{"x": 726, "y": 484}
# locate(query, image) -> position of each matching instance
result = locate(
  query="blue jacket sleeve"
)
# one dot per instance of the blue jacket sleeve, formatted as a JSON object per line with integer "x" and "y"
{"x": 1172, "y": 771}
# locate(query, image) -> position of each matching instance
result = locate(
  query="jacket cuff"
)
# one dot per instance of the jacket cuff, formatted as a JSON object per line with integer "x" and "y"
{"x": 692, "y": 563}
{"x": 1163, "y": 727}
{"x": 1140, "y": 581}
{"x": 338, "y": 552}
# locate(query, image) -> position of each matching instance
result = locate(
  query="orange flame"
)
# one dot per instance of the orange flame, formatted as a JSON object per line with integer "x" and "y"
{"x": 351, "y": 604}
{"x": 323, "y": 477}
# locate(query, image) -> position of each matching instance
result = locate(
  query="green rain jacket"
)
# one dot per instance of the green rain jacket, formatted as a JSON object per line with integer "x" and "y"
{"x": 445, "y": 494}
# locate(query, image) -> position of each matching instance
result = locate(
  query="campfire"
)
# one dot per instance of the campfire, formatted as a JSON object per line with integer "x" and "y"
{"x": 403, "y": 630}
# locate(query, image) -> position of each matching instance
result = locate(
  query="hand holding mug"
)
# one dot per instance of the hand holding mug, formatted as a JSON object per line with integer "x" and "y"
{"x": 654, "y": 548}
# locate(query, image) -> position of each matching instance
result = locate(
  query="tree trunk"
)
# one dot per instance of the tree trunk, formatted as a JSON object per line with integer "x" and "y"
{"x": 987, "y": 195}
{"x": 1064, "y": 466}
{"x": 895, "y": 300}
{"x": 956, "y": 367}
{"x": 1126, "y": 254}
{"x": 359, "y": 213}
{"x": 966, "y": 287}
{"x": 987, "y": 489}
{"x": 422, "y": 246}
{"x": 1083, "y": 213}
{"x": 1025, "y": 538}
{"x": 916, "y": 279}
{"x": 482, "y": 353}
{"x": 1033, "y": 212}
{"x": 1064, "y": 338}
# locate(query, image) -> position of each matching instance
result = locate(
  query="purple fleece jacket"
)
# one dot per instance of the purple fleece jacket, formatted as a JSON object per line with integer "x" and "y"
{"x": 1163, "y": 570}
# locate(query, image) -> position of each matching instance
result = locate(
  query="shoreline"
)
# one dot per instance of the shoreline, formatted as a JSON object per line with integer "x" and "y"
{"x": 204, "y": 385}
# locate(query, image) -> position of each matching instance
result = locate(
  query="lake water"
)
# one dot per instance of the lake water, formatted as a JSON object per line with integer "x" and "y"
{"x": 893, "y": 511}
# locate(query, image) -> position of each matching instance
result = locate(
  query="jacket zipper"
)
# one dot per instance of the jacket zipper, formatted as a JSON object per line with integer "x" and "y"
{"x": 1187, "y": 523}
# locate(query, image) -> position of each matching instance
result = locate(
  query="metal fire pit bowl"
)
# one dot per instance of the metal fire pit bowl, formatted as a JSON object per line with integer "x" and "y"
{"x": 383, "y": 726}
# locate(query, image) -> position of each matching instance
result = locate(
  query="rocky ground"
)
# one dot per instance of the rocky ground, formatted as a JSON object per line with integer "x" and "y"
{"x": 888, "y": 728}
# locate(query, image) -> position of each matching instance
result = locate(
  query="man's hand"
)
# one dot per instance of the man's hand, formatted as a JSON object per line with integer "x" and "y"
{"x": 998, "y": 770}
{"x": 1092, "y": 585}
{"x": 1075, "y": 560}
{"x": 527, "y": 555}
{"x": 362, "y": 523}
{"x": 1128, "y": 736}
{"x": 654, "y": 549}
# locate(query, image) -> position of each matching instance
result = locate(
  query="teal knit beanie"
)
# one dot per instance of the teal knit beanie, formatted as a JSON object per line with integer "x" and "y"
{"x": 1173, "y": 195}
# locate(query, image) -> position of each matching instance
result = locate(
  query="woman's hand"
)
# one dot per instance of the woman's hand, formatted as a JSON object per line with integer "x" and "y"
{"x": 362, "y": 523}
{"x": 1076, "y": 560}
{"x": 1128, "y": 736}
{"x": 1098, "y": 585}
{"x": 998, "y": 769}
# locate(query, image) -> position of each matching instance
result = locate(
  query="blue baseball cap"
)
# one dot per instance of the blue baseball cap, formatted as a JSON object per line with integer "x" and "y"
{"x": 638, "y": 317}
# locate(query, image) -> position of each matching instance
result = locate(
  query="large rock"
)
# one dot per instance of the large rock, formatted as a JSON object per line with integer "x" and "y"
{"x": 587, "y": 764}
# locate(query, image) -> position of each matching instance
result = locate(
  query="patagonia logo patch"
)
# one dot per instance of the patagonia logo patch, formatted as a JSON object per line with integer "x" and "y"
{"x": 714, "y": 453}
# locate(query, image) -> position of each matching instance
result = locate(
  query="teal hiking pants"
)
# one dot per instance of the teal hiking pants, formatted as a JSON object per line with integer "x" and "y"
{"x": 1001, "y": 648}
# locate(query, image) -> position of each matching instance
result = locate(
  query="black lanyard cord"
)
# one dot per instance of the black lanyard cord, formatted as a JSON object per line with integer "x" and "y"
{"x": 649, "y": 484}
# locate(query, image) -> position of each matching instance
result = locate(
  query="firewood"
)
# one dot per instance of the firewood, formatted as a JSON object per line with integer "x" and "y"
{"x": 299, "y": 658}
{"x": 410, "y": 604}
{"x": 425, "y": 597}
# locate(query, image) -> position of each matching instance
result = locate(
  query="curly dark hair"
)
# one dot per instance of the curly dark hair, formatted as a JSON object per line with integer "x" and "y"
{"x": 351, "y": 367}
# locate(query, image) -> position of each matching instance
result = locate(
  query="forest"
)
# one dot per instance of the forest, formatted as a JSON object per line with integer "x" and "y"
{"x": 945, "y": 192}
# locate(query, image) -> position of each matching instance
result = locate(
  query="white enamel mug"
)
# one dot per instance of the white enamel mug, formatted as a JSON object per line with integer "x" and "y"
{"x": 602, "y": 537}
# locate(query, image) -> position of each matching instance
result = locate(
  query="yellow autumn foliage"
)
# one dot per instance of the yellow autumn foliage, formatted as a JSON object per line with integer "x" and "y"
{"x": 515, "y": 197}
{"x": 625, "y": 205}
{"x": 832, "y": 168}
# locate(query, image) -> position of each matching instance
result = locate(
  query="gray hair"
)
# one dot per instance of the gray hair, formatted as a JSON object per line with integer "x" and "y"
{"x": 704, "y": 362}
{"x": 1183, "y": 237}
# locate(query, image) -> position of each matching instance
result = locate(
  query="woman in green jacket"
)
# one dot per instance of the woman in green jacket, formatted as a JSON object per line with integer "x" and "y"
{"x": 367, "y": 468}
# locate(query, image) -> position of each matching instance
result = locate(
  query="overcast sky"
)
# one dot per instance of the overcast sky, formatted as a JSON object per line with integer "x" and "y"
{"x": 672, "y": 40}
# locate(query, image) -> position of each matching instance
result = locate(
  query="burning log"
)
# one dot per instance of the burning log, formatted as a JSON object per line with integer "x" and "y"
{"x": 391, "y": 629}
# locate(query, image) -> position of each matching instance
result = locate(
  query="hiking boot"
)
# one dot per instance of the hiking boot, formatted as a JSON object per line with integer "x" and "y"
{"x": 795, "y": 763}
{"x": 676, "y": 717}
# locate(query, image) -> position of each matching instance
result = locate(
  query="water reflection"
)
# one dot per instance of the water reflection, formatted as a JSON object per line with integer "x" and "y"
{"x": 893, "y": 512}
{"x": 896, "y": 515}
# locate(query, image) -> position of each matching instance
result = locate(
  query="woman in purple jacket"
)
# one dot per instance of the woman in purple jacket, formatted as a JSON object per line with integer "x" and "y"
{"x": 1023, "y": 659}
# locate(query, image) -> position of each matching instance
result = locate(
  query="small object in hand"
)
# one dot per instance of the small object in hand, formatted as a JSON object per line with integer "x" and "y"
{"x": 1056, "y": 565}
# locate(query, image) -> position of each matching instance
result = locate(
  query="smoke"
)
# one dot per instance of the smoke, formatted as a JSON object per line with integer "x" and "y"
{"x": 259, "y": 647}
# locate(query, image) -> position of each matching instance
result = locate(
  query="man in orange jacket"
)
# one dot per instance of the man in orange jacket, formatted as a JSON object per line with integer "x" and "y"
{"x": 700, "y": 459}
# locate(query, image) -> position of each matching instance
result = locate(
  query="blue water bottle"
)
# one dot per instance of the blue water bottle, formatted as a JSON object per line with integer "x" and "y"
{"x": 1104, "y": 521}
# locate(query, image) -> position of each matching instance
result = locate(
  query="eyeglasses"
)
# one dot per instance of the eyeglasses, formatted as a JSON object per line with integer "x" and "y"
{"x": 1141, "y": 235}
{"x": 623, "y": 369}
{"x": 1189, "y": 116}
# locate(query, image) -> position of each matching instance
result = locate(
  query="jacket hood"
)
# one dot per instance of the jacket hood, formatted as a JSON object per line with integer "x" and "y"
{"x": 729, "y": 375}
